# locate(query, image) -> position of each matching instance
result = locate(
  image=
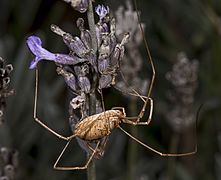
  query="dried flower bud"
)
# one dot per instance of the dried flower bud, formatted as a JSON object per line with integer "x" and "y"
{"x": 78, "y": 101}
{"x": 100, "y": 30}
{"x": 69, "y": 78}
{"x": 9, "y": 171}
{"x": 105, "y": 81}
{"x": 79, "y": 5}
{"x": 105, "y": 48}
{"x": 82, "y": 72}
{"x": 4, "y": 178}
{"x": 84, "y": 84}
{"x": 57, "y": 30}
{"x": 2, "y": 72}
{"x": 4, "y": 154}
{"x": 1, "y": 62}
{"x": 9, "y": 68}
{"x": 103, "y": 65}
{"x": 85, "y": 34}
{"x": 78, "y": 47}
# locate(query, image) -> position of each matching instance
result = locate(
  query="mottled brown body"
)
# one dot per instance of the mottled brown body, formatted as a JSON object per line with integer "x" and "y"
{"x": 99, "y": 125}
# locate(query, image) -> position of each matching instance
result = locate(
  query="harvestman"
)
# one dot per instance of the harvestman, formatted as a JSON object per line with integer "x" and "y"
{"x": 97, "y": 126}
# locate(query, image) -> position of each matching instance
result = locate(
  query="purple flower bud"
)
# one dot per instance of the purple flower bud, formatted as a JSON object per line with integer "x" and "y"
{"x": 103, "y": 65}
{"x": 85, "y": 84}
{"x": 102, "y": 11}
{"x": 117, "y": 56}
{"x": 78, "y": 47}
{"x": 93, "y": 61}
{"x": 69, "y": 78}
{"x": 35, "y": 45}
{"x": 100, "y": 30}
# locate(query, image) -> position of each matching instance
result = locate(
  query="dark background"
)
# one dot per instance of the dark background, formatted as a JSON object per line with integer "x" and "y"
{"x": 172, "y": 26}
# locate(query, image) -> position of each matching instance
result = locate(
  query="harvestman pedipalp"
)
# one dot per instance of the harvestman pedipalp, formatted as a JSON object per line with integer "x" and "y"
{"x": 95, "y": 127}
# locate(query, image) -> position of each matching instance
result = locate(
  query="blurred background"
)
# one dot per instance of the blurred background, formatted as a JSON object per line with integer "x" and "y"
{"x": 185, "y": 42}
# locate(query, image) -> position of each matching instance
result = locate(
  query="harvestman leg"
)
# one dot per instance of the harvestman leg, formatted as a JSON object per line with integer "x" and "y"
{"x": 151, "y": 104}
{"x": 156, "y": 151}
{"x": 137, "y": 122}
{"x": 38, "y": 120}
{"x": 76, "y": 167}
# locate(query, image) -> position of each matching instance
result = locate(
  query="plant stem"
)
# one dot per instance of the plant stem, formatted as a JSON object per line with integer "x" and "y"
{"x": 91, "y": 170}
{"x": 172, "y": 161}
{"x": 132, "y": 150}
{"x": 91, "y": 23}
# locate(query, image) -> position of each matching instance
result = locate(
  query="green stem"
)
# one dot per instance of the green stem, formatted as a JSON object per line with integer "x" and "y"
{"x": 91, "y": 170}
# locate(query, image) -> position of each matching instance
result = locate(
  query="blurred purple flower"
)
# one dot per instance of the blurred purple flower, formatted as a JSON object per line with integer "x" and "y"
{"x": 35, "y": 45}
{"x": 102, "y": 11}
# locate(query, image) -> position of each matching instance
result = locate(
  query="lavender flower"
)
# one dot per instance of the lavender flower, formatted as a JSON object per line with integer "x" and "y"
{"x": 86, "y": 70}
{"x": 35, "y": 45}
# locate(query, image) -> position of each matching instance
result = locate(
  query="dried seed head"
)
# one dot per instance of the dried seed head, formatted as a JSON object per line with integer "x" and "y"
{"x": 9, "y": 68}
{"x": 183, "y": 79}
{"x": 5, "y": 71}
{"x": 9, "y": 171}
{"x": 4, "y": 178}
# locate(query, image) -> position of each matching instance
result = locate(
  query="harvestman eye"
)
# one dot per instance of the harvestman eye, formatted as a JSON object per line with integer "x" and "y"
{"x": 96, "y": 127}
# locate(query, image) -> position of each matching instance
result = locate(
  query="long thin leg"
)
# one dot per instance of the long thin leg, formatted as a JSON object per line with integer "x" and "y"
{"x": 152, "y": 67}
{"x": 76, "y": 167}
{"x": 38, "y": 120}
{"x": 136, "y": 120}
{"x": 156, "y": 151}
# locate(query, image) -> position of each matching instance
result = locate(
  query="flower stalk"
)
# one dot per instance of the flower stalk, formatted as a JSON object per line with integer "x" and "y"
{"x": 91, "y": 170}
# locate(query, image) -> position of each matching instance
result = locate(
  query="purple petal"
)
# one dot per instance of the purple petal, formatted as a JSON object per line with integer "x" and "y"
{"x": 34, "y": 63}
{"x": 102, "y": 11}
{"x": 103, "y": 65}
{"x": 67, "y": 59}
{"x": 34, "y": 44}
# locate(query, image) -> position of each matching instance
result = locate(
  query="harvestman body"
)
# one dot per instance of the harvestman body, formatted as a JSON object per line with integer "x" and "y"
{"x": 98, "y": 126}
